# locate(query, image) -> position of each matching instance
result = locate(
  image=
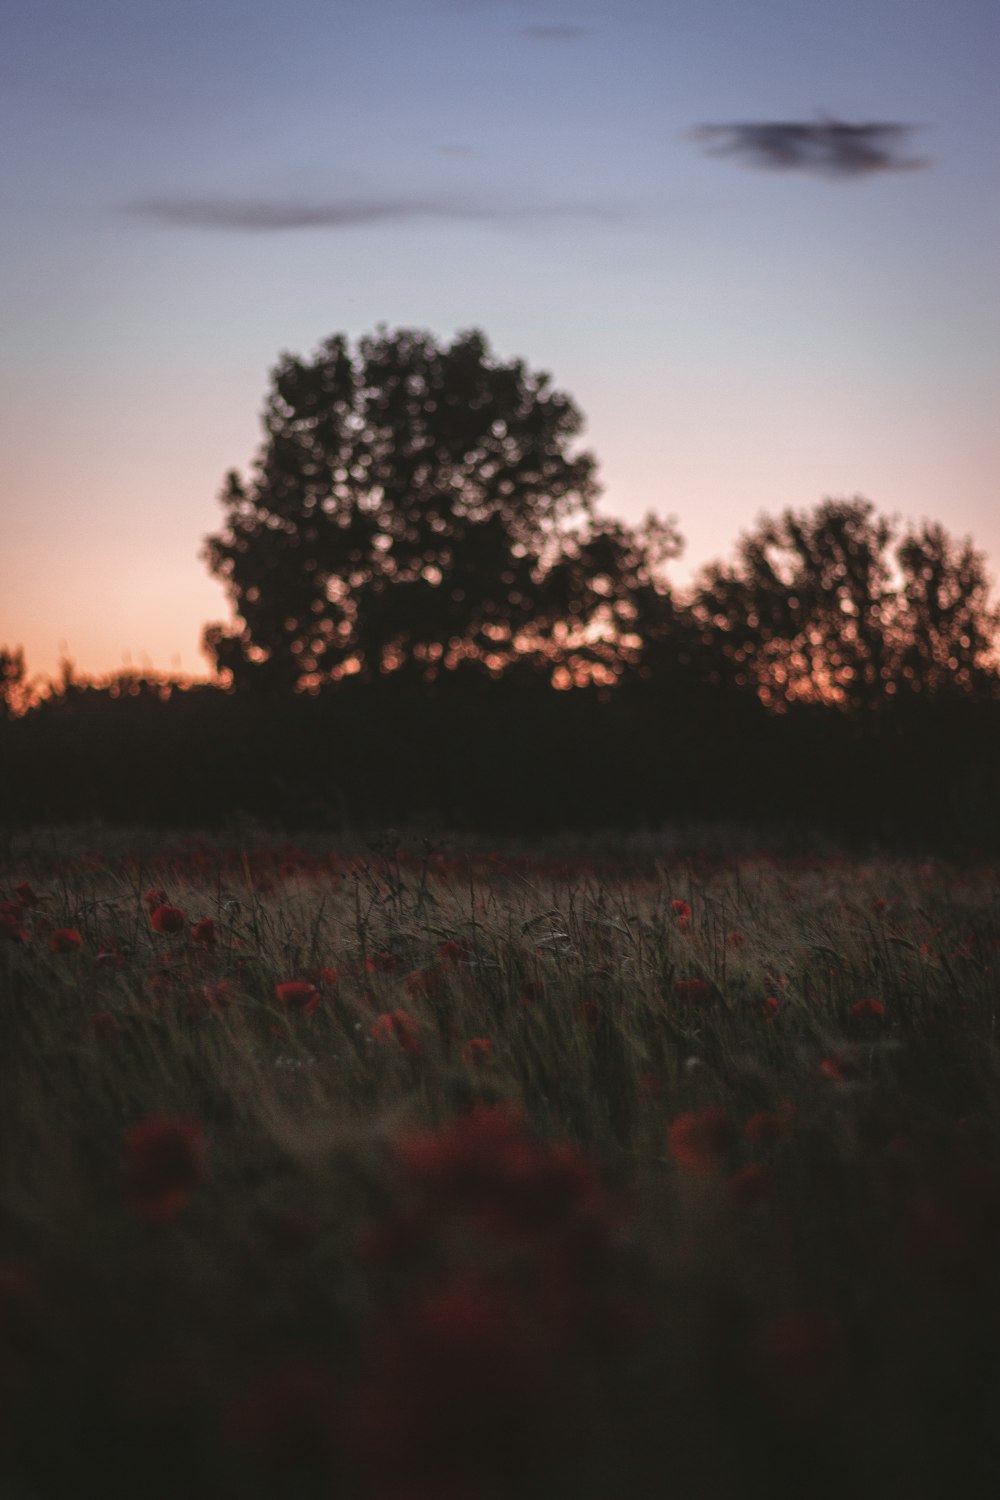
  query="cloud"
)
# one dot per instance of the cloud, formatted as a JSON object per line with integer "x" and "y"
{"x": 555, "y": 33}
{"x": 266, "y": 215}
{"x": 826, "y": 148}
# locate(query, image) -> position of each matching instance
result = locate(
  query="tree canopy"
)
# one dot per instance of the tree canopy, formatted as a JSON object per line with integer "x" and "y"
{"x": 416, "y": 507}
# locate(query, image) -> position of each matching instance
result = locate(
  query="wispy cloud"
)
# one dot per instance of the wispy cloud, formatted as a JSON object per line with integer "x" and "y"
{"x": 267, "y": 215}
{"x": 555, "y": 33}
{"x": 826, "y": 148}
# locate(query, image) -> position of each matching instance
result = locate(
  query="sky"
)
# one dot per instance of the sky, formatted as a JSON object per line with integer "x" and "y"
{"x": 688, "y": 211}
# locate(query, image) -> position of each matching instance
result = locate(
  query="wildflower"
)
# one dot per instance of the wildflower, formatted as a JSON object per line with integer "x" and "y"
{"x": 751, "y": 1183}
{"x": 11, "y": 929}
{"x": 476, "y": 1051}
{"x": 109, "y": 958}
{"x": 65, "y": 940}
{"x": 764, "y": 1128}
{"x": 165, "y": 1160}
{"x": 400, "y": 1027}
{"x": 736, "y": 938}
{"x": 105, "y": 1023}
{"x": 699, "y": 1139}
{"x": 155, "y": 898}
{"x": 682, "y": 912}
{"x": 25, "y": 894}
{"x": 772, "y": 1005}
{"x": 297, "y": 994}
{"x": 867, "y": 1010}
{"x": 454, "y": 953}
{"x": 167, "y": 919}
{"x": 204, "y": 932}
{"x": 690, "y": 989}
{"x": 423, "y": 983}
{"x": 878, "y": 905}
{"x": 832, "y": 1068}
{"x": 328, "y": 978}
{"x": 381, "y": 963}
{"x": 591, "y": 1013}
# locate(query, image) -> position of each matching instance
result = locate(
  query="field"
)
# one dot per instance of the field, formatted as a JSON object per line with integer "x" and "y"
{"x": 415, "y": 1174}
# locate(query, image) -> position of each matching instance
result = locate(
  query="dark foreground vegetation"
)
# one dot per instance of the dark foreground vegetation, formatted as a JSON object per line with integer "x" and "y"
{"x": 392, "y": 1174}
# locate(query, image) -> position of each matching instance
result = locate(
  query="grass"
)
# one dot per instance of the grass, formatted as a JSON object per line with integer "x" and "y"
{"x": 580, "y": 1176}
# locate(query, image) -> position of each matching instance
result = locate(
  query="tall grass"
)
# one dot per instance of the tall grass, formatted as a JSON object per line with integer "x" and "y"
{"x": 552, "y": 1176}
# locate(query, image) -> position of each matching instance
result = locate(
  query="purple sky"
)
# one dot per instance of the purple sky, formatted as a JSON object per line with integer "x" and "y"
{"x": 754, "y": 315}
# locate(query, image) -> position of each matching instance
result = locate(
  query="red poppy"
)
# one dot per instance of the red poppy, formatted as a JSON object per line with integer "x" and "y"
{"x": 764, "y": 1128}
{"x": 699, "y": 1139}
{"x": 772, "y": 1005}
{"x": 204, "y": 932}
{"x": 328, "y": 978}
{"x": 65, "y": 940}
{"x": 155, "y": 898}
{"x": 751, "y": 1183}
{"x": 878, "y": 905}
{"x": 109, "y": 958}
{"x": 736, "y": 938}
{"x": 867, "y": 1010}
{"x": 297, "y": 994}
{"x": 25, "y": 894}
{"x": 454, "y": 953}
{"x": 690, "y": 989}
{"x": 167, "y": 919}
{"x": 681, "y": 909}
{"x": 833, "y": 1069}
{"x": 165, "y": 1159}
{"x": 424, "y": 983}
{"x": 381, "y": 963}
{"x": 400, "y": 1027}
{"x": 11, "y": 929}
{"x": 476, "y": 1051}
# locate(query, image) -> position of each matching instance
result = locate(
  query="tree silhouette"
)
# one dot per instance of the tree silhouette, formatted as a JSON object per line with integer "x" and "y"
{"x": 406, "y": 514}
{"x": 818, "y": 608}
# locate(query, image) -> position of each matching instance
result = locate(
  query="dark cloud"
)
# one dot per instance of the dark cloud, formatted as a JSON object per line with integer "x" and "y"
{"x": 264, "y": 215}
{"x": 555, "y": 33}
{"x": 827, "y": 148}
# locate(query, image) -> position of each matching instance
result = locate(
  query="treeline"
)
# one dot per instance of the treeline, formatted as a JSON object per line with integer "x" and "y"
{"x": 431, "y": 622}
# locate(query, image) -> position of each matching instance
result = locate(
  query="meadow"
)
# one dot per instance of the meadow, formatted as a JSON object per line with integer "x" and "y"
{"x": 402, "y": 1172}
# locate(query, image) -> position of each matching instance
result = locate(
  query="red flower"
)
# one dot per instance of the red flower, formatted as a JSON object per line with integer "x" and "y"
{"x": 165, "y": 1159}
{"x": 879, "y": 904}
{"x": 772, "y": 1005}
{"x": 25, "y": 894}
{"x": 690, "y": 989}
{"x": 867, "y": 1010}
{"x": 381, "y": 963}
{"x": 297, "y": 994}
{"x": 832, "y": 1068}
{"x": 109, "y": 958}
{"x": 764, "y": 1129}
{"x": 736, "y": 938}
{"x": 167, "y": 919}
{"x": 105, "y": 1023}
{"x": 699, "y": 1139}
{"x": 454, "y": 953}
{"x": 155, "y": 898}
{"x": 423, "y": 983}
{"x": 11, "y": 928}
{"x": 476, "y": 1051}
{"x": 400, "y": 1027}
{"x": 682, "y": 910}
{"x": 750, "y": 1184}
{"x": 204, "y": 932}
{"x": 65, "y": 940}
{"x": 327, "y": 977}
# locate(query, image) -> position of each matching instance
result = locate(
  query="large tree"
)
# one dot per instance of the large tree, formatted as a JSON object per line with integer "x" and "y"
{"x": 831, "y": 606}
{"x": 406, "y": 513}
